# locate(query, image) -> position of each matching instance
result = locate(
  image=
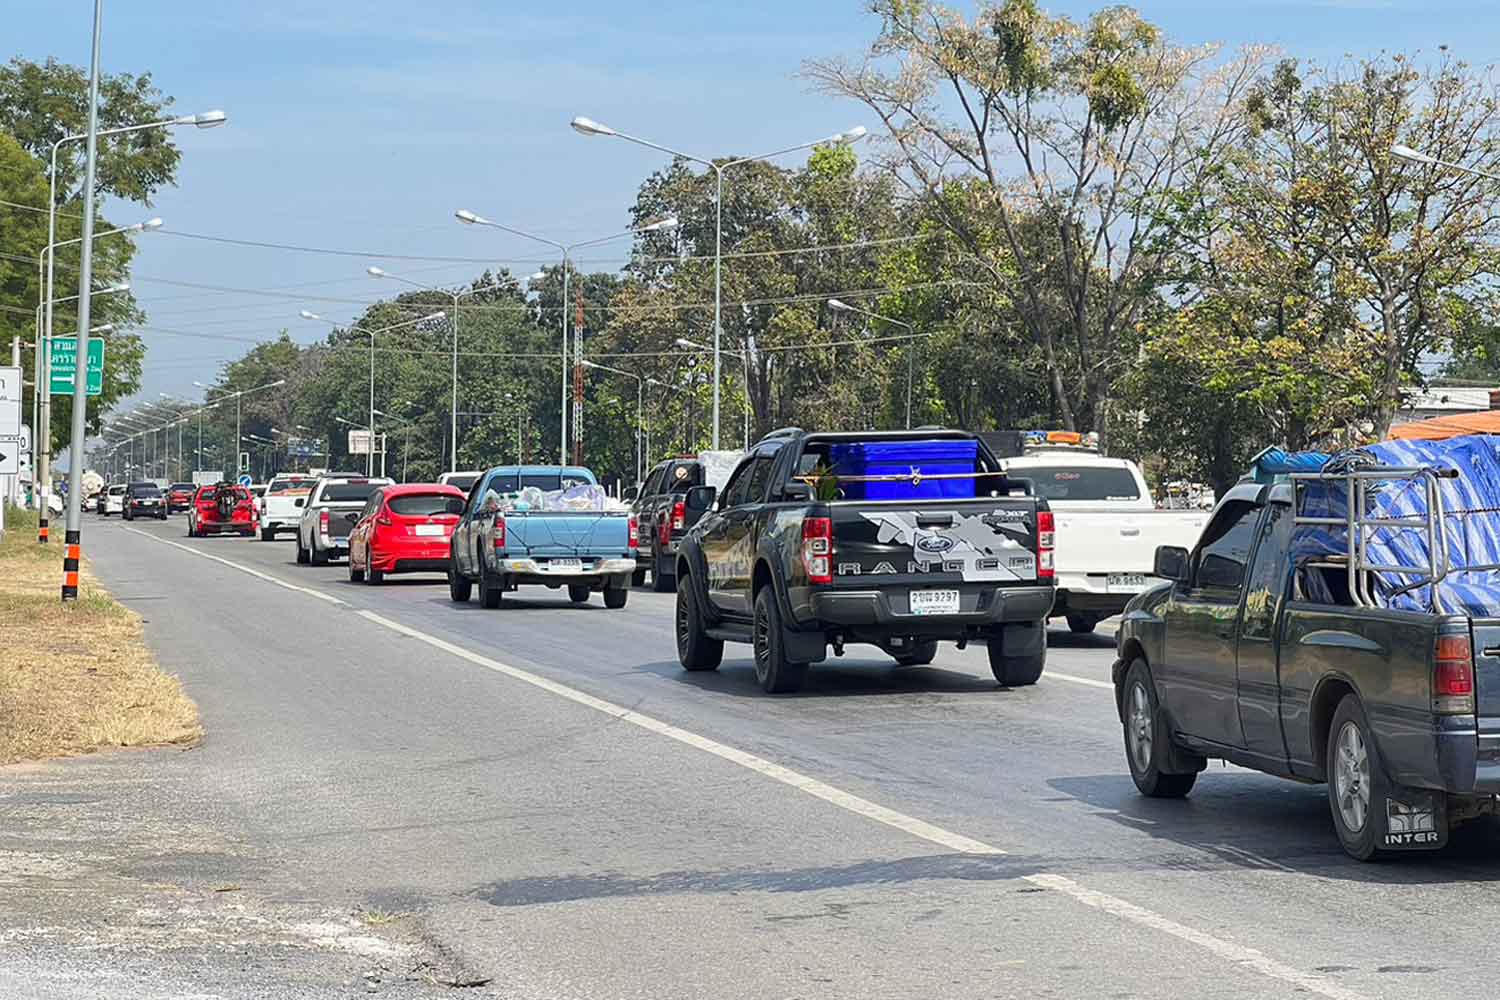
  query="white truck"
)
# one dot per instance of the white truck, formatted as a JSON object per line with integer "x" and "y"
{"x": 1108, "y": 528}
{"x": 280, "y": 510}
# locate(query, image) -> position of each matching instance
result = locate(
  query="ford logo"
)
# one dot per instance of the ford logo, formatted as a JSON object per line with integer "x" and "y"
{"x": 936, "y": 544}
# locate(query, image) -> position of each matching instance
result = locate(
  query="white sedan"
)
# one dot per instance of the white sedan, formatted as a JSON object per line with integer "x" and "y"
{"x": 114, "y": 501}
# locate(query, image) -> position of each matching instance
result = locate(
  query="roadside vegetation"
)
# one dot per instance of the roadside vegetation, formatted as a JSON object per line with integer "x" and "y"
{"x": 75, "y": 678}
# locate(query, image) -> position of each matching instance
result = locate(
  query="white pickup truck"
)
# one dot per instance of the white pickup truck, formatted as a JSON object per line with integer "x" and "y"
{"x": 280, "y": 510}
{"x": 1108, "y": 528}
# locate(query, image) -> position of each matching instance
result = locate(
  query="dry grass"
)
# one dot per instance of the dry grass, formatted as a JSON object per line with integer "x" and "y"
{"x": 75, "y": 678}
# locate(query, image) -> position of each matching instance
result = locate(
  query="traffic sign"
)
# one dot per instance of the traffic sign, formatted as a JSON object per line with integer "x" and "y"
{"x": 10, "y": 456}
{"x": 245, "y": 481}
{"x": 10, "y": 402}
{"x": 63, "y": 362}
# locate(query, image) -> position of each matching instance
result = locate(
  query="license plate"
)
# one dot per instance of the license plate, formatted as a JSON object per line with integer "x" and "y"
{"x": 564, "y": 564}
{"x": 934, "y": 602}
{"x": 432, "y": 530}
{"x": 1129, "y": 582}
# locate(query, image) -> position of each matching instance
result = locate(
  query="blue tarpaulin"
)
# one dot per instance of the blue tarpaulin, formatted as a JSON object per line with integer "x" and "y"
{"x": 1278, "y": 463}
{"x": 1471, "y": 521}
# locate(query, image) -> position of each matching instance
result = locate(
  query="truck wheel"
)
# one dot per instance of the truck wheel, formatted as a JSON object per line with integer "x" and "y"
{"x": 268, "y": 534}
{"x": 374, "y": 576}
{"x": 1082, "y": 624}
{"x": 917, "y": 656}
{"x": 695, "y": 650}
{"x": 638, "y": 578}
{"x": 1356, "y": 780}
{"x": 459, "y": 587}
{"x": 578, "y": 593}
{"x": 355, "y": 575}
{"x": 317, "y": 558}
{"x": 301, "y": 552}
{"x": 1015, "y": 671}
{"x": 663, "y": 580}
{"x": 1146, "y": 737}
{"x": 491, "y": 591}
{"x": 615, "y": 597}
{"x": 777, "y": 674}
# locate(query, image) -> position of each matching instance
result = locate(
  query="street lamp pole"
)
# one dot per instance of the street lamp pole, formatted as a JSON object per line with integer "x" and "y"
{"x": 589, "y": 127}
{"x": 839, "y": 306}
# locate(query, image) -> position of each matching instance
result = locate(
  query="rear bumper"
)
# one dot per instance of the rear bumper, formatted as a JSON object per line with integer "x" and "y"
{"x": 411, "y": 558}
{"x": 1468, "y": 758}
{"x": 531, "y": 567}
{"x": 415, "y": 566}
{"x": 982, "y": 606}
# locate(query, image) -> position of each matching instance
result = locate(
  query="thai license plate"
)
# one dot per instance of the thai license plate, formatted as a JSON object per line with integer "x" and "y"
{"x": 564, "y": 565}
{"x": 1129, "y": 582}
{"x": 432, "y": 530}
{"x": 934, "y": 602}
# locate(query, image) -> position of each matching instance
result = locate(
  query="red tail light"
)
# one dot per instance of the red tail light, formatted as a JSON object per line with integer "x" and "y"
{"x": 664, "y": 530}
{"x": 679, "y": 516}
{"x": 635, "y": 541}
{"x": 323, "y": 522}
{"x": 1046, "y": 535}
{"x": 1453, "y": 675}
{"x": 499, "y": 531}
{"x": 817, "y": 549}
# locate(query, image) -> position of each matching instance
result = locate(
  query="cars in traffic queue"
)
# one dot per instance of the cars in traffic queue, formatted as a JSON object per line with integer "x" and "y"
{"x": 404, "y": 529}
{"x": 328, "y": 515}
{"x": 225, "y": 508}
{"x": 1108, "y": 524}
{"x": 502, "y": 541}
{"x": 900, "y": 539}
{"x": 112, "y": 500}
{"x": 1272, "y": 649}
{"x": 180, "y": 497}
{"x": 279, "y": 508}
{"x": 143, "y": 499}
{"x": 462, "y": 480}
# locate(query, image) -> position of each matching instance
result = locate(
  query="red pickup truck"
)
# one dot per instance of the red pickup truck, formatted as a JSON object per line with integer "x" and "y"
{"x": 222, "y": 508}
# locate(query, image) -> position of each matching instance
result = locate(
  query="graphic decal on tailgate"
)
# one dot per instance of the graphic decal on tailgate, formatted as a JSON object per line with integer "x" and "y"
{"x": 971, "y": 546}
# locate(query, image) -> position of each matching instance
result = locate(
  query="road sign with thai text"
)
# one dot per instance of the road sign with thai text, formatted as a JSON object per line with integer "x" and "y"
{"x": 63, "y": 363}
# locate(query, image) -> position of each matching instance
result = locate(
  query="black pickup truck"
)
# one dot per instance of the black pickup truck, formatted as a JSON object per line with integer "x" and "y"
{"x": 1258, "y": 654}
{"x": 899, "y": 539}
{"x": 662, "y": 518}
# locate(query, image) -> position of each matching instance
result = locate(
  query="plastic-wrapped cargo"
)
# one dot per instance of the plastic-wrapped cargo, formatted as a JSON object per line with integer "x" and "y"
{"x": 1470, "y": 522}
{"x": 584, "y": 497}
{"x": 718, "y": 465}
{"x": 914, "y": 461}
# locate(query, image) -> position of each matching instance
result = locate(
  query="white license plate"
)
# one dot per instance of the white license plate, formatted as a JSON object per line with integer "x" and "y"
{"x": 1128, "y": 582}
{"x": 564, "y": 565}
{"x": 934, "y": 602}
{"x": 433, "y": 530}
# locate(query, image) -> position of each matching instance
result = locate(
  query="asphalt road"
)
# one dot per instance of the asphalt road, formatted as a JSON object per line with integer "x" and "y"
{"x": 539, "y": 799}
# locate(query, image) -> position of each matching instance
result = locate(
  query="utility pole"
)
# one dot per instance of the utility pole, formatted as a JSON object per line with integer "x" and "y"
{"x": 578, "y": 382}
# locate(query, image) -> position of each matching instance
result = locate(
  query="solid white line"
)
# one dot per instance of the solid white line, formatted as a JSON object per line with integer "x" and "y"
{"x": 1249, "y": 958}
{"x": 1071, "y": 679}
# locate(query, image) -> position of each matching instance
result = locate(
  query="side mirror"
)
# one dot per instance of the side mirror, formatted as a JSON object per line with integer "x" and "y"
{"x": 1171, "y": 563}
{"x": 797, "y": 491}
{"x": 300, "y": 501}
{"x": 700, "y": 498}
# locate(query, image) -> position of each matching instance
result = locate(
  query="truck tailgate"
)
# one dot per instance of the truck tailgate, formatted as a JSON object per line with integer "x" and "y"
{"x": 1487, "y": 680}
{"x": 567, "y": 533}
{"x": 990, "y": 539}
{"x": 1120, "y": 541}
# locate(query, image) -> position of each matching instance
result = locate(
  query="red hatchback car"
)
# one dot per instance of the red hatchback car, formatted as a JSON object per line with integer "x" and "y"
{"x": 404, "y": 529}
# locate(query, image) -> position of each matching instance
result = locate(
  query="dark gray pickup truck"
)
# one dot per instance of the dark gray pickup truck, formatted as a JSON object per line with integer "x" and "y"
{"x": 1259, "y": 654}
{"x": 900, "y": 539}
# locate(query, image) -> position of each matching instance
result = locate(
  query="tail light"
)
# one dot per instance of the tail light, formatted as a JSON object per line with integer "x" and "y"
{"x": 664, "y": 530}
{"x": 817, "y": 549}
{"x": 679, "y": 516}
{"x": 323, "y": 523}
{"x": 499, "y": 531}
{"x": 1046, "y": 536}
{"x": 1452, "y": 675}
{"x": 635, "y": 541}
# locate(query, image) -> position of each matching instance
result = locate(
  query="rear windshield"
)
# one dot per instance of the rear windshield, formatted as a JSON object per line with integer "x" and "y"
{"x": 290, "y": 485}
{"x": 465, "y": 483}
{"x": 542, "y": 481}
{"x": 426, "y": 504}
{"x": 681, "y": 478}
{"x": 1081, "y": 483}
{"x": 145, "y": 490}
{"x": 181, "y": 487}
{"x": 115, "y": 491}
{"x": 343, "y": 492}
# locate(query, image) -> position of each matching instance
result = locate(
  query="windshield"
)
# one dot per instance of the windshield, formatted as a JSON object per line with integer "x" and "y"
{"x": 115, "y": 491}
{"x": 1081, "y": 482}
{"x": 145, "y": 490}
{"x": 684, "y": 477}
{"x": 292, "y": 484}
{"x": 426, "y": 504}
{"x": 345, "y": 492}
{"x": 465, "y": 483}
{"x": 182, "y": 487}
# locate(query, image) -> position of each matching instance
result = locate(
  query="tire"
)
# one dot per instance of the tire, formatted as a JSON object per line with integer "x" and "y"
{"x": 459, "y": 587}
{"x": 317, "y": 558}
{"x": 1146, "y": 738}
{"x": 374, "y": 577}
{"x": 662, "y": 581}
{"x": 161, "y": 517}
{"x": 268, "y": 534}
{"x": 638, "y": 578}
{"x": 490, "y": 592}
{"x": 1015, "y": 671}
{"x": 1082, "y": 624}
{"x": 776, "y": 674}
{"x": 615, "y": 597}
{"x": 301, "y": 552}
{"x": 1355, "y": 785}
{"x": 192, "y": 531}
{"x": 355, "y": 575}
{"x": 918, "y": 656}
{"x": 578, "y": 593}
{"x": 695, "y": 650}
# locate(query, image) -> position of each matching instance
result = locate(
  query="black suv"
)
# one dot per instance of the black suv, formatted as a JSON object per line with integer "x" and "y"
{"x": 144, "y": 500}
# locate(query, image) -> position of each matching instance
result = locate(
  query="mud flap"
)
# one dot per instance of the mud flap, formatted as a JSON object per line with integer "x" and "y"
{"x": 804, "y": 647}
{"x": 1416, "y": 819}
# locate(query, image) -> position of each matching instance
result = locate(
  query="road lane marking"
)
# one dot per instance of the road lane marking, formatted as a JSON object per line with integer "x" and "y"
{"x": 1071, "y": 679}
{"x": 1237, "y": 954}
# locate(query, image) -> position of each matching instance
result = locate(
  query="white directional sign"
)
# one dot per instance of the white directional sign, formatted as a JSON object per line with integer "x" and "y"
{"x": 11, "y": 445}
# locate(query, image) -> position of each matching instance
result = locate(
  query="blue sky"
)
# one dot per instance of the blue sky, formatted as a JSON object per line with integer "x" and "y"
{"x": 363, "y": 125}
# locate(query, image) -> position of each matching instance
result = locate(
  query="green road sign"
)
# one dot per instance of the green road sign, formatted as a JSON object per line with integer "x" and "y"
{"x": 64, "y": 360}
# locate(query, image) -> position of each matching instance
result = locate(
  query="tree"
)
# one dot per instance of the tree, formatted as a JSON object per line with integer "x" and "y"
{"x": 1105, "y": 122}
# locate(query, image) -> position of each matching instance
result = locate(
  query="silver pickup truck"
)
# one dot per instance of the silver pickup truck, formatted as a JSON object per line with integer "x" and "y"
{"x": 329, "y": 513}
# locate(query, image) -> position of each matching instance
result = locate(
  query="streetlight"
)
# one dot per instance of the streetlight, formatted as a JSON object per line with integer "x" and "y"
{"x": 1407, "y": 153}
{"x": 469, "y": 218}
{"x": 839, "y": 306}
{"x": 370, "y": 452}
{"x": 238, "y": 437}
{"x": 639, "y": 410}
{"x": 589, "y": 127}
{"x": 455, "y": 295}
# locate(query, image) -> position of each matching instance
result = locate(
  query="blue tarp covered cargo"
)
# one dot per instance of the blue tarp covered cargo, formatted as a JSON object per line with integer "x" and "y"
{"x": 1275, "y": 464}
{"x": 912, "y": 460}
